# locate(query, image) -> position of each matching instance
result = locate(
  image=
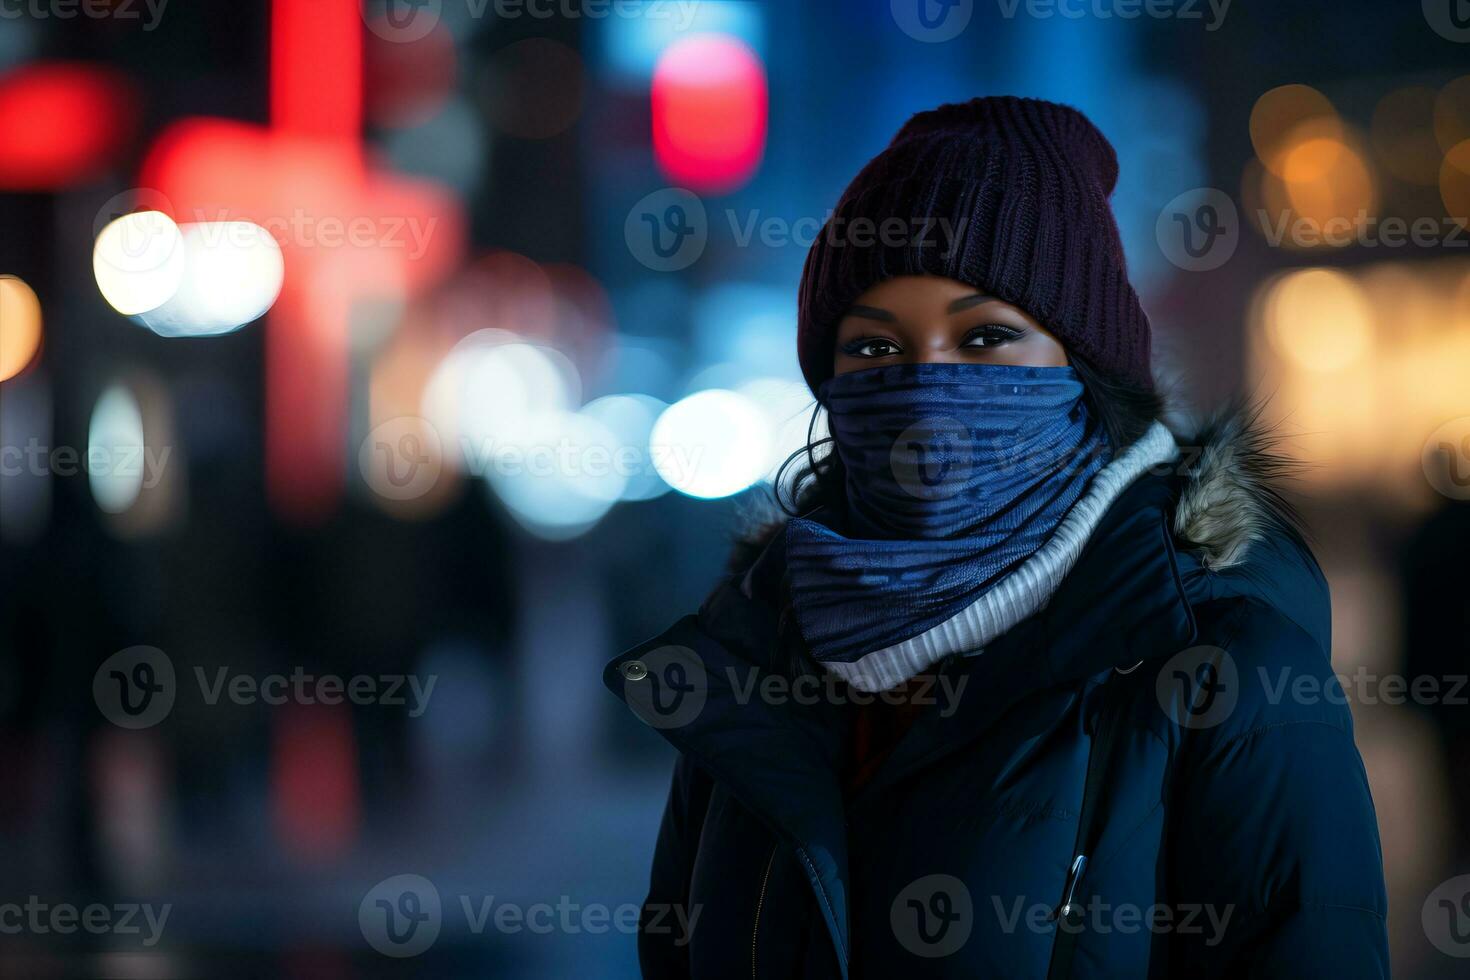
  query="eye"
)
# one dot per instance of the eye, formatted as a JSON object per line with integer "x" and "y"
{"x": 992, "y": 335}
{"x": 871, "y": 347}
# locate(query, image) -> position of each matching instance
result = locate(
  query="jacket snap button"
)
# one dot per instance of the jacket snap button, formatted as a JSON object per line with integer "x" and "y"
{"x": 634, "y": 670}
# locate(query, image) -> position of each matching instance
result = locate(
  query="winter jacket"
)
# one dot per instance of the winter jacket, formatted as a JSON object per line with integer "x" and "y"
{"x": 1234, "y": 832}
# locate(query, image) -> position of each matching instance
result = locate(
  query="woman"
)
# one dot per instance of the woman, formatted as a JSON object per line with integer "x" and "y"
{"x": 1010, "y": 694}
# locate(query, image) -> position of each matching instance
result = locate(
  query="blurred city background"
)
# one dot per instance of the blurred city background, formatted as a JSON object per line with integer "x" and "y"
{"x": 437, "y": 346}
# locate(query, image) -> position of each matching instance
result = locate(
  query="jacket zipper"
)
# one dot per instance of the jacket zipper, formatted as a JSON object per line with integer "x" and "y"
{"x": 759, "y": 904}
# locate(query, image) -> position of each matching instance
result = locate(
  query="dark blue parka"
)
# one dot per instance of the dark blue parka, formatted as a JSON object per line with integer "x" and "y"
{"x": 1235, "y": 833}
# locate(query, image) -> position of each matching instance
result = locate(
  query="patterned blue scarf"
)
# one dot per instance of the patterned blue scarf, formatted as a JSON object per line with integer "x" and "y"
{"x": 955, "y": 474}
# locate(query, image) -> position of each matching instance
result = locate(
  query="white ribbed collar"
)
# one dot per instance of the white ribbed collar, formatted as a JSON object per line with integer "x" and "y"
{"x": 1020, "y": 593}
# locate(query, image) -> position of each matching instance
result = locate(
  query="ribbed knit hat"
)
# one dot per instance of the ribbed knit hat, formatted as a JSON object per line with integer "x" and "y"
{"x": 1004, "y": 194}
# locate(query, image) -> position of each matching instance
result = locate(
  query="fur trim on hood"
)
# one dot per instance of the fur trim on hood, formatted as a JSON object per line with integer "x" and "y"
{"x": 1232, "y": 494}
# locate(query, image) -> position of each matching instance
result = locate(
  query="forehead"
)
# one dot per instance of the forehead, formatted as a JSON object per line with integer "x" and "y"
{"x": 915, "y": 292}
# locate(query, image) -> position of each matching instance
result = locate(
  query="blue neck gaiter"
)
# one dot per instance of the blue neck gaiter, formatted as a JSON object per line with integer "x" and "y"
{"x": 955, "y": 474}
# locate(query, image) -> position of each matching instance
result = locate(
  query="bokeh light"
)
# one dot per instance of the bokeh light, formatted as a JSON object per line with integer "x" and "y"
{"x": 61, "y": 123}
{"x": 1287, "y": 116}
{"x": 139, "y": 262}
{"x": 1452, "y": 113}
{"x": 630, "y": 418}
{"x": 490, "y": 389}
{"x": 1454, "y": 182}
{"x": 115, "y": 450}
{"x": 20, "y": 326}
{"x": 557, "y": 474}
{"x": 710, "y": 110}
{"x": 713, "y": 443}
{"x": 233, "y": 273}
{"x": 1327, "y": 179}
{"x": 1320, "y": 319}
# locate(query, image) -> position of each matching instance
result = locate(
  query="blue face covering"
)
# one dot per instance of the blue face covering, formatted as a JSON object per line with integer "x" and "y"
{"x": 956, "y": 473}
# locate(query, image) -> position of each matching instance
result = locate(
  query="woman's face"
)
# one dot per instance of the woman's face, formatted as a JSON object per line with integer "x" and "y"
{"x": 933, "y": 320}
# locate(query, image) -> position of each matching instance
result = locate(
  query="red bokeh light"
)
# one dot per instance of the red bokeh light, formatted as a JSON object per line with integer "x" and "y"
{"x": 710, "y": 111}
{"x": 61, "y": 123}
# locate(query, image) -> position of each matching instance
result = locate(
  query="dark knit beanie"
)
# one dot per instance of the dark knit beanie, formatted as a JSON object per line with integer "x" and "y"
{"x": 1007, "y": 195}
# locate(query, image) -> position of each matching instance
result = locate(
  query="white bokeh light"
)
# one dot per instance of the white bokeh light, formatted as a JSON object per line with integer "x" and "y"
{"x": 558, "y": 476}
{"x": 139, "y": 262}
{"x": 233, "y": 273}
{"x": 713, "y": 443}
{"x": 489, "y": 389}
{"x": 115, "y": 450}
{"x": 192, "y": 280}
{"x": 630, "y": 418}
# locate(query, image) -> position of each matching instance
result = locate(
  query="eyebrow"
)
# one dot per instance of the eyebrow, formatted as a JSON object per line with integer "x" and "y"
{"x": 965, "y": 302}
